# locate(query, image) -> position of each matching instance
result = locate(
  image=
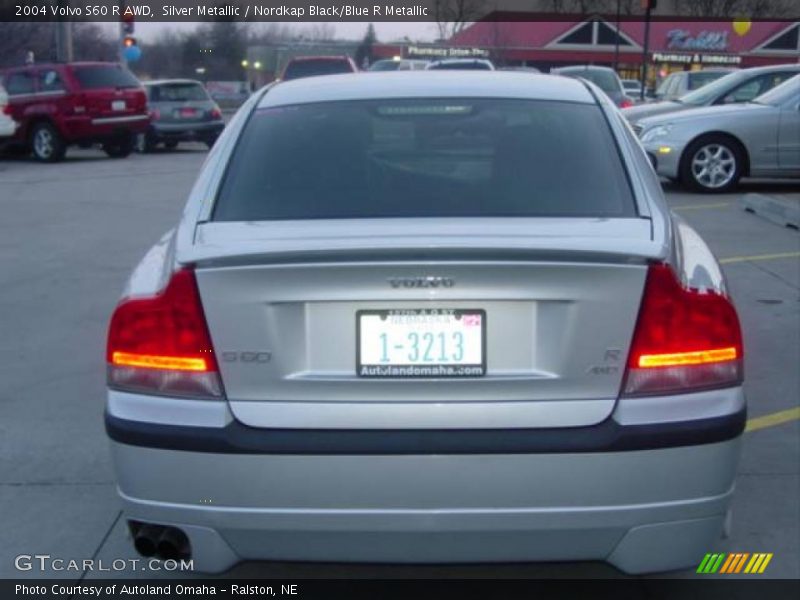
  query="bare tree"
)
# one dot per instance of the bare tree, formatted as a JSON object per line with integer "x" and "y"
{"x": 320, "y": 32}
{"x": 606, "y": 7}
{"x": 18, "y": 38}
{"x": 266, "y": 34}
{"x": 558, "y": 6}
{"x": 733, "y": 8}
{"x": 452, "y": 16}
{"x": 91, "y": 41}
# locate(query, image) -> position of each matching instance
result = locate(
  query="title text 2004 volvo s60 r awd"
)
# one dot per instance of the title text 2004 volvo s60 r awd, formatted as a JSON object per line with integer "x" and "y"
{"x": 427, "y": 317}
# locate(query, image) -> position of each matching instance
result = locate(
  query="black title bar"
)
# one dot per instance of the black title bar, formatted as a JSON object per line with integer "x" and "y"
{"x": 193, "y": 11}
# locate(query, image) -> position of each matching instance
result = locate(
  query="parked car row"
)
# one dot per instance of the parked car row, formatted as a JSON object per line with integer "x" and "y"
{"x": 707, "y": 139}
{"x": 57, "y": 105}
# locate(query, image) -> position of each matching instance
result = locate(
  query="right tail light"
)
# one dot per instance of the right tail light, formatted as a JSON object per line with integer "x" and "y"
{"x": 685, "y": 339}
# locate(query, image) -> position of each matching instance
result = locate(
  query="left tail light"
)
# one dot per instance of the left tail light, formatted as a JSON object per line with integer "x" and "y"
{"x": 160, "y": 344}
{"x": 626, "y": 103}
{"x": 155, "y": 114}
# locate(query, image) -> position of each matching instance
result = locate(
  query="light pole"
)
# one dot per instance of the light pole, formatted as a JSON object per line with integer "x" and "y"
{"x": 649, "y": 5}
{"x": 63, "y": 33}
{"x": 616, "y": 42}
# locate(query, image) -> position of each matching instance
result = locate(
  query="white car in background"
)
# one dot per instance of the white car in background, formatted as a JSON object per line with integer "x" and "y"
{"x": 7, "y": 125}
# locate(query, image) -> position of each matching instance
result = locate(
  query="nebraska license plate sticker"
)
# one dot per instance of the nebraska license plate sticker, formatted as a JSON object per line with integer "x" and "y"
{"x": 421, "y": 343}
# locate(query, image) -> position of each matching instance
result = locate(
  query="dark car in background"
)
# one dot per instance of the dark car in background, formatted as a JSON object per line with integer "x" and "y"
{"x": 310, "y": 66}
{"x": 60, "y": 104}
{"x": 398, "y": 64}
{"x": 461, "y": 64}
{"x": 520, "y": 69}
{"x": 603, "y": 77}
{"x": 181, "y": 110}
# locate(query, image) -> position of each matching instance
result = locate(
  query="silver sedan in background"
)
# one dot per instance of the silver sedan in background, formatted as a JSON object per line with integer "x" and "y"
{"x": 710, "y": 149}
{"x": 392, "y": 326}
{"x": 733, "y": 88}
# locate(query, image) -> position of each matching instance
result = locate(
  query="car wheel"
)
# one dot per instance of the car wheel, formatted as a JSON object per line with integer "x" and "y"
{"x": 171, "y": 145}
{"x": 145, "y": 143}
{"x": 120, "y": 148}
{"x": 712, "y": 164}
{"x": 46, "y": 143}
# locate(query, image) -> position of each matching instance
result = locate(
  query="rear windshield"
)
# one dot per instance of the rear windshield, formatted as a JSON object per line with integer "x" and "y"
{"x": 309, "y": 68}
{"x": 605, "y": 80}
{"x": 177, "y": 92}
{"x": 425, "y": 158}
{"x": 92, "y": 78}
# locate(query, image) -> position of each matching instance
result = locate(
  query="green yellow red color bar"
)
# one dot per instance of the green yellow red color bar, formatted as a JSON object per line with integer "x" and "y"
{"x": 734, "y": 563}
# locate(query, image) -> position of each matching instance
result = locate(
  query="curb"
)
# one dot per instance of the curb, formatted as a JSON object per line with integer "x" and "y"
{"x": 785, "y": 213}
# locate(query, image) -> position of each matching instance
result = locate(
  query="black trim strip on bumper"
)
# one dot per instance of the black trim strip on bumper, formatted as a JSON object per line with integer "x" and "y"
{"x": 608, "y": 436}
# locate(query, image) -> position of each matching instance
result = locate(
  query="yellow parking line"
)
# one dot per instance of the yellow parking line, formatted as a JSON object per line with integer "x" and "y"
{"x": 777, "y": 418}
{"x": 700, "y": 206}
{"x": 737, "y": 259}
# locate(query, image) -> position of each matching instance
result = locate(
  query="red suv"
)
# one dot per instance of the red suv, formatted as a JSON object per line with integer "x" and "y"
{"x": 82, "y": 103}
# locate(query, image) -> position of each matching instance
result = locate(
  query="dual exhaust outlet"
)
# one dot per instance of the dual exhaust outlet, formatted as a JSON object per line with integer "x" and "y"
{"x": 159, "y": 541}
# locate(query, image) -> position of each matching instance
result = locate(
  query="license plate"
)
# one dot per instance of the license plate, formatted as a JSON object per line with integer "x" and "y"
{"x": 186, "y": 113}
{"x": 421, "y": 343}
{"x": 118, "y": 105}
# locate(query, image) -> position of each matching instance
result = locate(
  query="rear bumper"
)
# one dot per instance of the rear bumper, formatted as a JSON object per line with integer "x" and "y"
{"x": 641, "y": 490}
{"x": 608, "y": 436}
{"x": 184, "y": 132}
{"x": 87, "y": 128}
{"x": 641, "y": 511}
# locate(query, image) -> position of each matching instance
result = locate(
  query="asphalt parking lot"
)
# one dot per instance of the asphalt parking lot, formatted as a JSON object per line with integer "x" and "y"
{"x": 69, "y": 236}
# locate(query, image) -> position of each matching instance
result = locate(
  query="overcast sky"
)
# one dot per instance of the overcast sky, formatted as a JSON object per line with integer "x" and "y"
{"x": 418, "y": 31}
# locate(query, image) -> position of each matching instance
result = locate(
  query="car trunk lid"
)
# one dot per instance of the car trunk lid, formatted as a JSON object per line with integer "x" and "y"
{"x": 559, "y": 299}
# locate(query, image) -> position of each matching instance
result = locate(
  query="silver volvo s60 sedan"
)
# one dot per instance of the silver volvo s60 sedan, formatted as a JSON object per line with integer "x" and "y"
{"x": 427, "y": 317}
